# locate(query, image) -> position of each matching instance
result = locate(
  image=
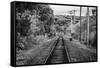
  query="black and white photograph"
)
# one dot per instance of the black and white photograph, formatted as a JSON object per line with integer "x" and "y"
{"x": 47, "y": 33}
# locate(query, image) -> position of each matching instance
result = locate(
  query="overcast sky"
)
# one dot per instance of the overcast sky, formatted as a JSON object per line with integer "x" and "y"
{"x": 63, "y": 10}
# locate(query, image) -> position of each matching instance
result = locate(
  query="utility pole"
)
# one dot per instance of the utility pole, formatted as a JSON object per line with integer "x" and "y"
{"x": 80, "y": 21}
{"x": 71, "y": 21}
{"x": 72, "y": 14}
{"x": 87, "y": 25}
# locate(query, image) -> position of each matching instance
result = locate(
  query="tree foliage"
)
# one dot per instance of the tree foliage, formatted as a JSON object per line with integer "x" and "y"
{"x": 33, "y": 21}
{"x": 42, "y": 17}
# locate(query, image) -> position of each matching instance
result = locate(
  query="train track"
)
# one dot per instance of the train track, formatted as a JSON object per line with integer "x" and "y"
{"x": 58, "y": 54}
{"x": 57, "y": 51}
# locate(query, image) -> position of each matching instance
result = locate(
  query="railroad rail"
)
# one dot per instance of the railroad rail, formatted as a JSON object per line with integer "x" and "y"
{"x": 58, "y": 54}
{"x": 66, "y": 49}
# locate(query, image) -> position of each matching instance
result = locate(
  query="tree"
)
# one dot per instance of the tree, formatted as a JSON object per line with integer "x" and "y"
{"x": 24, "y": 13}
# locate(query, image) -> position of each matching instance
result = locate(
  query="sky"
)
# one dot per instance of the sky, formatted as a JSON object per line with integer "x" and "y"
{"x": 64, "y": 10}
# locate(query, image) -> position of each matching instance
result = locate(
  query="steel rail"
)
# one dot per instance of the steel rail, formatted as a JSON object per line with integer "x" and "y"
{"x": 66, "y": 49}
{"x": 51, "y": 51}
